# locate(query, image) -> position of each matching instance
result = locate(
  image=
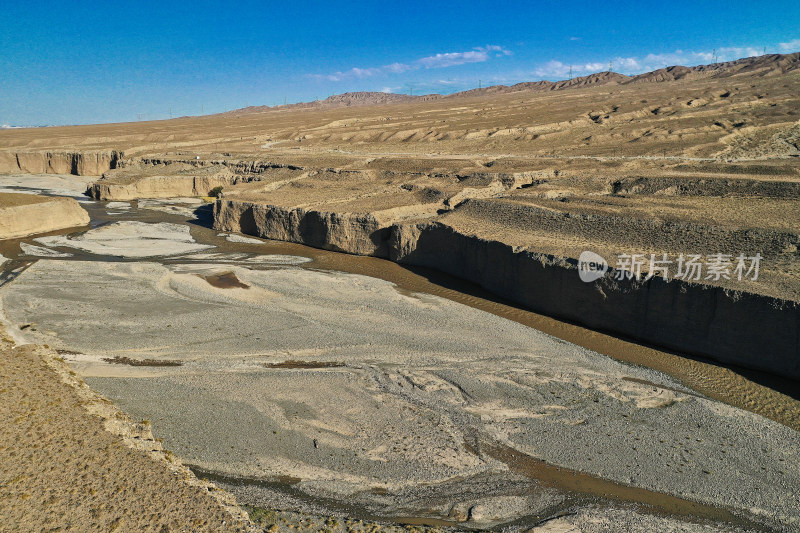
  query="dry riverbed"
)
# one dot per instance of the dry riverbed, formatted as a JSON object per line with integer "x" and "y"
{"x": 300, "y": 388}
{"x": 72, "y": 461}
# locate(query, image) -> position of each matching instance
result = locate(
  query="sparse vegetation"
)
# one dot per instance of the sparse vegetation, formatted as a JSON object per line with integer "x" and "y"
{"x": 141, "y": 362}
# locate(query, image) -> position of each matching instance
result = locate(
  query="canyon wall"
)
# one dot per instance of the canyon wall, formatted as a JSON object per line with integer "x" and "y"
{"x": 84, "y": 163}
{"x": 361, "y": 234}
{"x": 156, "y": 187}
{"x": 736, "y": 328}
{"x": 743, "y": 329}
{"x": 24, "y": 214}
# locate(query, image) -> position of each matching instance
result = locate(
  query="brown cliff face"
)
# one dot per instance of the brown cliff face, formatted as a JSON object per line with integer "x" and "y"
{"x": 742, "y": 329}
{"x": 25, "y": 214}
{"x": 84, "y": 163}
{"x": 164, "y": 178}
{"x": 733, "y": 327}
{"x": 354, "y": 233}
{"x": 156, "y": 187}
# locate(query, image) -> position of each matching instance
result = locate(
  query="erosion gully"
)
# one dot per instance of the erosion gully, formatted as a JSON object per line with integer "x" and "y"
{"x": 770, "y": 396}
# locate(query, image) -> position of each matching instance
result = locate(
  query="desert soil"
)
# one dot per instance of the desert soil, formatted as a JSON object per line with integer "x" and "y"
{"x": 298, "y": 383}
{"x": 64, "y": 470}
{"x": 258, "y": 369}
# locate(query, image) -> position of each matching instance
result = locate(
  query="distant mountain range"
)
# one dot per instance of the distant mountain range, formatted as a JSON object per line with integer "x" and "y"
{"x": 8, "y": 127}
{"x": 766, "y": 65}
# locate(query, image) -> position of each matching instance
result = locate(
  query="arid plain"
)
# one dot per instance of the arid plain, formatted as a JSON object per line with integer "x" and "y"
{"x": 380, "y": 316}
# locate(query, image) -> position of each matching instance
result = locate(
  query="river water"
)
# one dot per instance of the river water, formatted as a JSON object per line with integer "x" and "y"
{"x": 306, "y": 379}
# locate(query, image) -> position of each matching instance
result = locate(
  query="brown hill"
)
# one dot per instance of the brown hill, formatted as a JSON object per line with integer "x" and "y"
{"x": 366, "y": 98}
{"x": 665, "y": 74}
{"x": 766, "y": 65}
{"x": 353, "y": 99}
{"x": 600, "y": 78}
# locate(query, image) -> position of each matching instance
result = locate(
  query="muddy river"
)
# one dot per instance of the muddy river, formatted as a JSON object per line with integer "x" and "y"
{"x": 309, "y": 380}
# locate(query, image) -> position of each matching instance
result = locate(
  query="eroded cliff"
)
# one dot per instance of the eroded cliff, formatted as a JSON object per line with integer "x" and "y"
{"x": 522, "y": 241}
{"x": 26, "y": 214}
{"x": 81, "y": 163}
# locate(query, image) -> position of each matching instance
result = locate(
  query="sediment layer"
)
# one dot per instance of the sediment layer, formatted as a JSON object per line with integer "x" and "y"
{"x": 361, "y": 234}
{"x": 442, "y": 423}
{"x": 79, "y": 163}
{"x": 26, "y": 214}
{"x": 725, "y": 324}
{"x": 731, "y": 327}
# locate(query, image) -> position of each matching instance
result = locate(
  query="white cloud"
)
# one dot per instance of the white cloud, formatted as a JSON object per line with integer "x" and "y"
{"x": 552, "y": 69}
{"x": 731, "y": 53}
{"x": 442, "y": 60}
{"x": 354, "y": 72}
{"x": 555, "y": 69}
{"x": 679, "y": 57}
{"x": 627, "y": 63}
{"x": 499, "y": 49}
{"x": 364, "y": 72}
{"x": 592, "y": 67}
{"x": 656, "y": 61}
{"x": 397, "y": 68}
{"x": 453, "y": 58}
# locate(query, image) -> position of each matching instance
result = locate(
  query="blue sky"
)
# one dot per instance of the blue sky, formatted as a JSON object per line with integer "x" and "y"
{"x": 90, "y": 62}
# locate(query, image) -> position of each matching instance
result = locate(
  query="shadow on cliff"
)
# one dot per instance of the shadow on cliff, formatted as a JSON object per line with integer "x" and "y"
{"x": 204, "y": 216}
